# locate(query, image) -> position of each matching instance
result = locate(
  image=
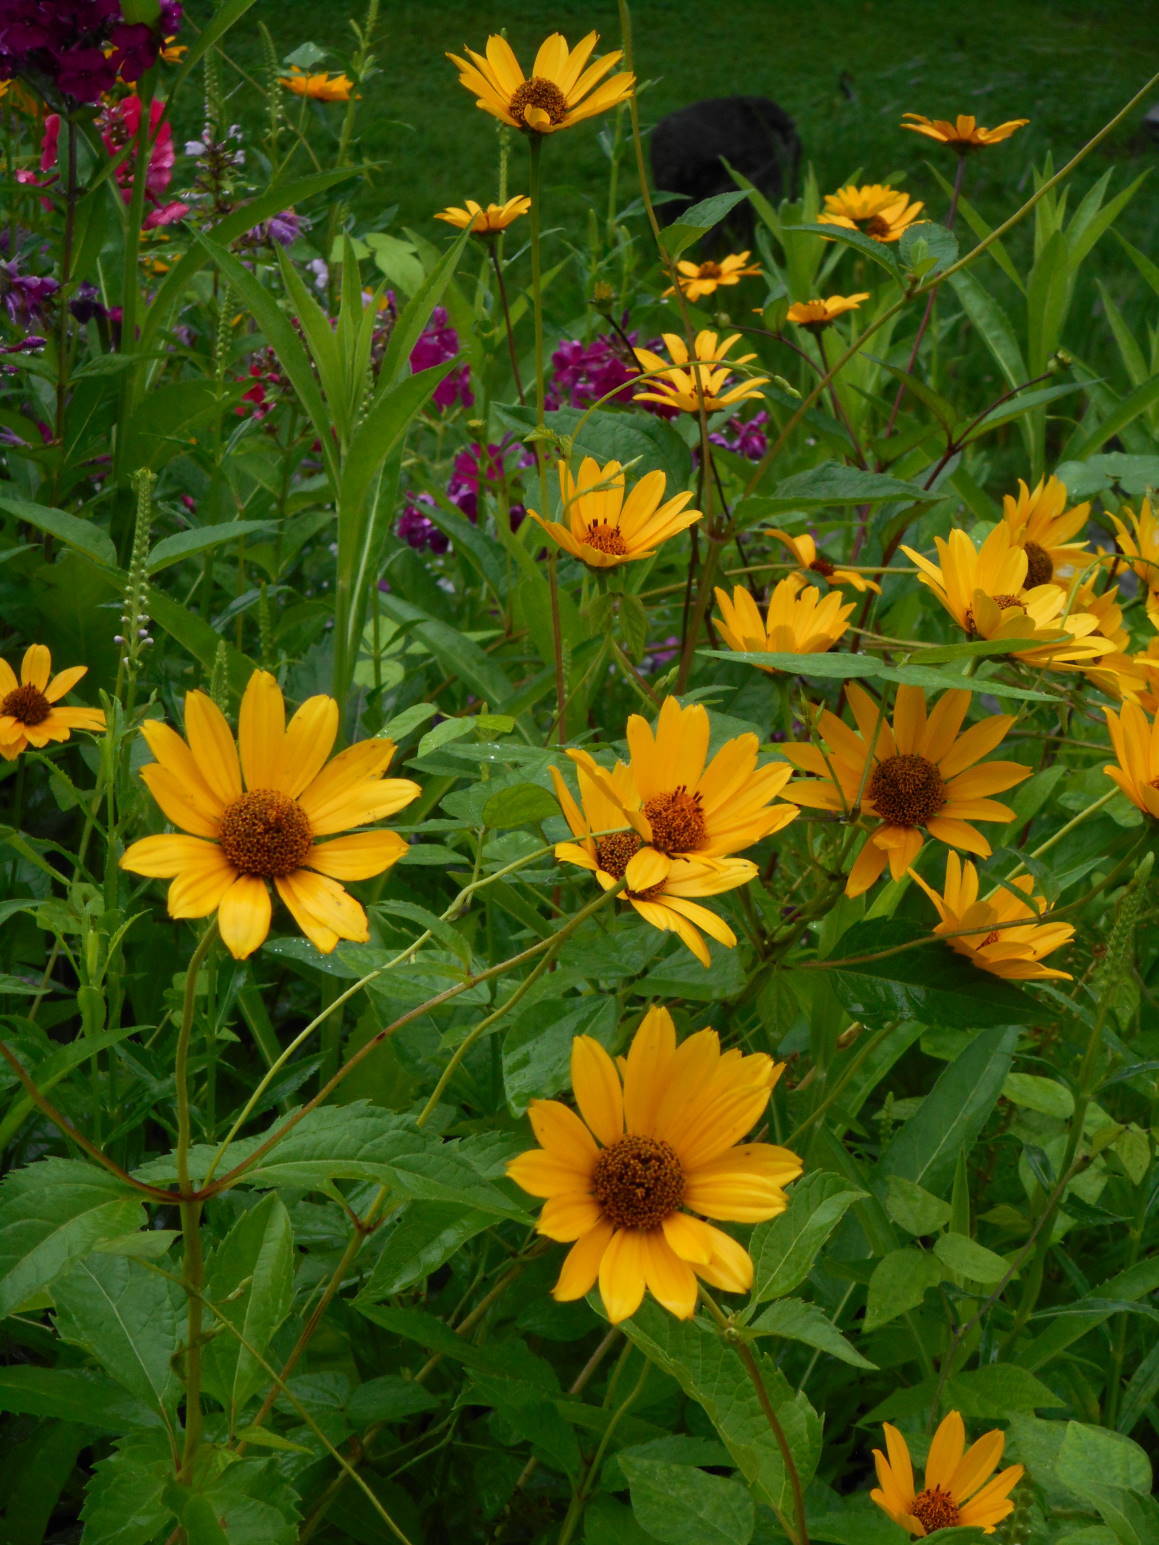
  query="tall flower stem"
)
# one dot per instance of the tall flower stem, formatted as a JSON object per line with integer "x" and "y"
{"x": 501, "y": 286}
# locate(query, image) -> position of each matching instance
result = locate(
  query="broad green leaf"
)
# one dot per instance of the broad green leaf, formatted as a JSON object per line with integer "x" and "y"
{"x": 130, "y": 1319}
{"x": 85, "y": 535}
{"x": 927, "y": 248}
{"x": 456, "y": 655}
{"x": 913, "y": 1208}
{"x": 876, "y": 251}
{"x": 500, "y": 1359}
{"x": 816, "y": 667}
{"x": 968, "y": 1258}
{"x": 249, "y": 1279}
{"x": 696, "y": 221}
{"x": 1095, "y": 1456}
{"x": 51, "y": 1214}
{"x": 390, "y": 1398}
{"x": 1125, "y": 412}
{"x": 73, "y": 1395}
{"x": 900, "y": 1281}
{"x": 524, "y": 804}
{"x": 795, "y": 1320}
{"x": 1127, "y": 1289}
{"x": 425, "y": 1237}
{"x": 832, "y": 482}
{"x": 125, "y": 1498}
{"x": 681, "y": 1505}
{"x": 184, "y": 544}
{"x": 537, "y": 1048}
{"x": 1045, "y": 1095}
{"x": 999, "y": 1388}
{"x": 785, "y": 1248}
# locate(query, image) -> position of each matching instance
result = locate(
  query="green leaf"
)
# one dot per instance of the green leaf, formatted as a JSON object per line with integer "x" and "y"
{"x": 425, "y": 1237}
{"x": 130, "y": 1319}
{"x": 814, "y": 667}
{"x": 125, "y": 1499}
{"x": 523, "y": 804}
{"x": 184, "y": 544}
{"x": 249, "y": 1278}
{"x": 999, "y": 1388}
{"x": 913, "y": 1208}
{"x": 795, "y": 1320}
{"x": 832, "y": 482}
{"x": 681, "y": 1505}
{"x": 457, "y": 656}
{"x": 899, "y": 1282}
{"x": 51, "y": 1214}
{"x": 390, "y": 1398}
{"x": 610, "y": 435}
{"x": 927, "y": 248}
{"x": 1045, "y": 1095}
{"x": 73, "y": 1395}
{"x": 952, "y": 1115}
{"x": 1094, "y": 1456}
{"x": 1122, "y": 414}
{"x": 968, "y": 1258}
{"x": 876, "y": 251}
{"x": 785, "y": 1248}
{"x": 697, "y": 221}
{"x": 84, "y": 535}
{"x": 537, "y": 1049}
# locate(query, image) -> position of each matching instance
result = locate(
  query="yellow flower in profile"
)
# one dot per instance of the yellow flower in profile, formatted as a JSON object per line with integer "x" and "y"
{"x": 1135, "y": 739}
{"x": 485, "y": 222}
{"x": 965, "y": 133}
{"x": 699, "y": 279}
{"x": 243, "y": 835}
{"x": 1042, "y": 525}
{"x": 1144, "y": 671}
{"x": 1138, "y": 538}
{"x": 173, "y": 51}
{"x": 657, "y": 1140}
{"x": 603, "y": 527}
{"x": 982, "y": 588}
{"x": 1119, "y": 674}
{"x": 29, "y": 715}
{"x": 660, "y": 889}
{"x": 958, "y": 1489}
{"x": 562, "y": 89}
{"x": 805, "y": 552}
{"x": 816, "y": 315}
{"x": 917, "y": 773}
{"x": 320, "y": 86}
{"x": 799, "y": 620}
{"x": 983, "y": 928}
{"x": 703, "y": 375}
{"x": 875, "y": 209}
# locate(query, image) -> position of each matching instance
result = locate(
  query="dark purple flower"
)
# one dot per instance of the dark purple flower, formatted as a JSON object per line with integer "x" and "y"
{"x": 86, "y": 303}
{"x": 284, "y": 228}
{"x": 745, "y": 439}
{"x": 135, "y": 50}
{"x": 418, "y": 529}
{"x": 28, "y": 345}
{"x": 24, "y": 296}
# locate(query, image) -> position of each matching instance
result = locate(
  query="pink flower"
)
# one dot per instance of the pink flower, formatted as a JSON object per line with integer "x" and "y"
{"x": 120, "y": 127}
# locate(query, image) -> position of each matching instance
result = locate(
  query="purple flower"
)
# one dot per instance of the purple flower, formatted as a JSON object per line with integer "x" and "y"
{"x": 419, "y": 530}
{"x": 437, "y": 343}
{"x": 86, "y": 303}
{"x": 25, "y": 297}
{"x": 584, "y": 372}
{"x": 745, "y": 439}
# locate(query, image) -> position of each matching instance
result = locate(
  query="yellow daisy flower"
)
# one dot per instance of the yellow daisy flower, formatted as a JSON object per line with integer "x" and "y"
{"x": 320, "y": 86}
{"x": 1143, "y": 669}
{"x": 799, "y": 620}
{"x": 875, "y": 209}
{"x": 1015, "y": 953}
{"x": 982, "y": 588}
{"x": 804, "y": 551}
{"x": 918, "y": 772}
{"x": 485, "y": 222}
{"x": 659, "y": 888}
{"x": 1119, "y": 674}
{"x": 28, "y": 712}
{"x": 1135, "y": 739}
{"x": 699, "y": 279}
{"x": 603, "y": 527}
{"x": 1041, "y": 524}
{"x": 965, "y": 133}
{"x": 816, "y": 315}
{"x": 562, "y": 89}
{"x": 245, "y": 834}
{"x": 657, "y": 1139}
{"x": 703, "y": 375}
{"x": 954, "y": 1492}
{"x": 1138, "y": 538}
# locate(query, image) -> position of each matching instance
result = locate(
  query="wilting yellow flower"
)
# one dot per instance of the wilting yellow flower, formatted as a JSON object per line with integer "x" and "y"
{"x": 659, "y": 888}
{"x": 244, "y": 836}
{"x": 875, "y": 209}
{"x": 982, "y": 588}
{"x": 562, "y": 90}
{"x": 1042, "y": 525}
{"x": 1139, "y": 540}
{"x": 965, "y": 133}
{"x": 1135, "y": 739}
{"x": 991, "y": 943}
{"x": 28, "y": 712}
{"x": 804, "y": 550}
{"x": 173, "y": 51}
{"x": 799, "y": 620}
{"x": 954, "y": 1492}
{"x": 321, "y": 86}
{"x": 918, "y": 772}
{"x": 659, "y": 1140}
{"x": 703, "y": 375}
{"x": 816, "y": 315}
{"x": 603, "y": 528}
{"x": 697, "y": 279}
{"x": 485, "y": 222}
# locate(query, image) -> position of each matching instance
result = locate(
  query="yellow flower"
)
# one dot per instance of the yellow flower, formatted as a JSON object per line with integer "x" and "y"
{"x": 242, "y": 837}
{"x": 816, "y": 315}
{"x": 954, "y": 1492}
{"x": 965, "y": 133}
{"x": 1118, "y": 674}
{"x": 605, "y": 529}
{"x": 321, "y": 86}
{"x": 804, "y": 550}
{"x": 1140, "y": 542}
{"x": 1041, "y": 524}
{"x": 659, "y": 888}
{"x": 702, "y": 375}
{"x": 991, "y": 943}
{"x": 1135, "y": 739}
{"x": 173, "y": 51}
{"x": 918, "y": 772}
{"x": 485, "y": 222}
{"x": 659, "y": 1140}
{"x": 697, "y": 279}
{"x": 562, "y": 90}
{"x": 28, "y": 712}
{"x": 1144, "y": 671}
{"x": 875, "y": 209}
{"x": 982, "y": 588}
{"x": 798, "y": 620}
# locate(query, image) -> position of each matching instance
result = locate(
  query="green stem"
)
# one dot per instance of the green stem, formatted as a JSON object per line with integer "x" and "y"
{"x": 580, "y": 1495}
{"x": 501, "y": 286}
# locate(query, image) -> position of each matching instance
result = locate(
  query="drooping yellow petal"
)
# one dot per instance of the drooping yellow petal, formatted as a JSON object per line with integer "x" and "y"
{"x": 597, "y": 1089}
{"x": 243, "y": 915}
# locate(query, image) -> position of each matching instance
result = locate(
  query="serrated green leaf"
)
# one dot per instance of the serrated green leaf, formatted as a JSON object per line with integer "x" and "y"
{"x": 130, "y": 1319}
{"x": 913, "y": 1208}
{"x": 425, "y": 1237}
{"x": 900, "y": 1281}
{"x": 249, "y": 1279}
{"x": 681, "y": 1505}
{"x": 795, "y": 1320}
{"x": 785, "y": 1248}
{"x": 73, "y": 1395}
{"x": 125, "y": 1498}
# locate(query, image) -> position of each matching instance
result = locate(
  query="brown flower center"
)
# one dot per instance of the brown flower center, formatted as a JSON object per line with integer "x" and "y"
{"x": 606, "y": 539}
{"x": 638, "y": 1182}
{"x": 936, "y": 1509}
{"x": 1039, "y": 565}
{"x": 876, "y": 227}
{"x": 677, "y": 821}
{"x": 710, "y": 270}
{"x": 1002, "y": 602}
{"x": 537, "y": 92}
{"x": 821, "y": 565}
{"x": 27, "y": 705}
{"x": 907, "y": 790}
{"x": 264, "y": 833}
{"x": 614, "y": 853}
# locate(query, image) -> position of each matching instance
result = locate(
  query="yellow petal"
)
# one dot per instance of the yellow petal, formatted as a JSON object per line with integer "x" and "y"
{"x": 568, "y": 1216}
{"x": 945, "y": 1451}
{"x": 582, "y": 1264}
{"x": 212, "y": 745}
{"x": 560, "y": 1131}
{"x": 357, "y": 856}
{"x": 322, "y": 909}
{"x": 164, "y": 856}
{"x": 261, "y": 725}
{"x": 670, "y": 1280}
{"x": 180, "y": 802}
{"x": 243, "y": 916}
{"x": 597, "y": 1089}
{"x": 545, "y": 1174}
{"x": 36, "y": 666}
{"x": 622, "y": 1275}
